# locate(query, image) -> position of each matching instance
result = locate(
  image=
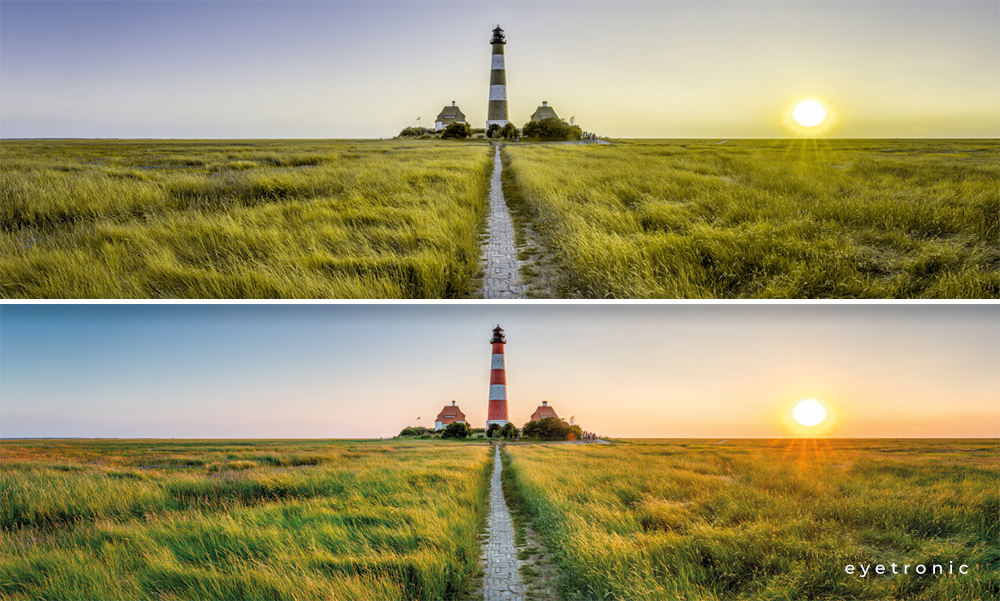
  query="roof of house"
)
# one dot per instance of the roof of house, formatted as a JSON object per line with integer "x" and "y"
{"x": 544, "y": 112}
{"x": 451, "y": 412}
{"x": 543, "y": 411}
{"x": 451, "y": 112}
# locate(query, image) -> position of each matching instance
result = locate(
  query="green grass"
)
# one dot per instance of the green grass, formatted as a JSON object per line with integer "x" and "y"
{"x": 240, "y": 520}
{"x": 764, "y": 519}
{"x": 765, "y": 218}
{"x": 250, "y": 219}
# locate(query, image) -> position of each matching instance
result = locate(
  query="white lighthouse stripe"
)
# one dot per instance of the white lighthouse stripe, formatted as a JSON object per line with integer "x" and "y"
{"x": 498, "y": 92}
{"x": 497, "y": 61}
{"x": 497, "y": 362}
{"x": 498, "y": 392}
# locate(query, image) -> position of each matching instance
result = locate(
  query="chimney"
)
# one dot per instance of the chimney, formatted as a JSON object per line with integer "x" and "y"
{"x": 544, "y": 104}
{"x": 452, "y": 103}
{"x": 545, "y": 403}
{"x": 453, "y": 403}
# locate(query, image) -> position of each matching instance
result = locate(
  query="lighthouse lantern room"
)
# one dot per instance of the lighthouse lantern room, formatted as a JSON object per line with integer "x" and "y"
{"x": 497, "y": 410}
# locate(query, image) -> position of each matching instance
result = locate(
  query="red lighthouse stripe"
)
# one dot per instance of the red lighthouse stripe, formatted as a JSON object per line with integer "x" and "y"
{"x": 498, "y": 348}
{"x": 497, "y": 376}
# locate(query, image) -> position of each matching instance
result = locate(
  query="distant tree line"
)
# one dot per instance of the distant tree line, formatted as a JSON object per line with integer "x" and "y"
{"x": 549, "y": 428}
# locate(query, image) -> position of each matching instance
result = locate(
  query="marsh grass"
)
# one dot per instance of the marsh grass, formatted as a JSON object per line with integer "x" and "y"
{"x": 764, "y": 519}
{"x": 247, "y": 520}
{"x": 765, "y": 219}
{"x": 204, "y": 219}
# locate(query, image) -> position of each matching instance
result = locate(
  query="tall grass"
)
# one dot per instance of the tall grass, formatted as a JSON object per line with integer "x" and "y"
{"x": 213, "y": 520}
{"x": 155, "y": 219}
{"x": 764, "y": 519}
{"x": 765, "y": 219}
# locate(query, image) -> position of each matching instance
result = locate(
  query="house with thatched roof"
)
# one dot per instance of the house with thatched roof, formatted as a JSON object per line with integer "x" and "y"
{"x": 544, "y": 112}
{"x": 447, "y": 116}
{"x": 448, "y": 415}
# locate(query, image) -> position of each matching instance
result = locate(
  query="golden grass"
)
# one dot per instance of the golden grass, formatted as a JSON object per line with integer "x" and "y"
{"x": 151, "y": 519}
{"x": 765, "y": 218}
{"x": 776, "y": 519}
{"x": 174, "y": 219}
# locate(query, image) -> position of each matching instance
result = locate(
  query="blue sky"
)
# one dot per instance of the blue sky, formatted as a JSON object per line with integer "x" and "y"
{"x": 320, "y": 371}
{"x": 321, "y": 69}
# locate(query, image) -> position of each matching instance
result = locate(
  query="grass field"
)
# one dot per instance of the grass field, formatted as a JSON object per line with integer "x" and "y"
{"x": 394, "y": 219}
{"x": 156, "y": 519}
{"x": 764, "y": 218}
{"x": 685, "y": 519}
{"x": 241, "y": 219}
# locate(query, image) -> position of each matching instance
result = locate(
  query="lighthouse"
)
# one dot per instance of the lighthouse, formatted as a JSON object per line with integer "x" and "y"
{"x": 497, "y": 411}
{"x": 497, "y": 111}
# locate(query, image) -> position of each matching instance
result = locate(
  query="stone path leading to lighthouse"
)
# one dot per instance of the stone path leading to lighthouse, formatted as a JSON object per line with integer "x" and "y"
{"x": 502, "y": 579}
{"x": 501, "y": 279}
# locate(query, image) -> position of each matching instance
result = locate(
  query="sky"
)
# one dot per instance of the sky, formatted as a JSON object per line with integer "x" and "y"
{"x": 623, "y": 370}
{"x": 661, "y": 69}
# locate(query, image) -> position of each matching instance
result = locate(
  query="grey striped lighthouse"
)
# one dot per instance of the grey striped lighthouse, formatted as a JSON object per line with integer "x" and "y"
{"x": 497, "y": 111}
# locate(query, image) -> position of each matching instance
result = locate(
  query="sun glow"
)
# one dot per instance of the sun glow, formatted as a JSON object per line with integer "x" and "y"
{"x": 809, "y": 113}
{"x": 809, "y": 412}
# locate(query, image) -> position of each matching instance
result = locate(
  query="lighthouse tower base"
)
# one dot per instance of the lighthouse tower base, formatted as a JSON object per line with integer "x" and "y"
{"x": 499, "y": 422}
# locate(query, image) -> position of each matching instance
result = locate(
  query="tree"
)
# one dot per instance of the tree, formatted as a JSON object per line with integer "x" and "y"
{"x": 551, "y": 128}
{"x": 551, "y": 428}
{"x": 457, "y": 131}
{"x": 493, "y": 131}
{"x": 411, "y": 431}
{"x": 509, "y": 431}
{"x": 491, "y": 431}
{"x": 456, "y": 430}
{"x": 509, "y": 131}
{"x": 412, "y": 132}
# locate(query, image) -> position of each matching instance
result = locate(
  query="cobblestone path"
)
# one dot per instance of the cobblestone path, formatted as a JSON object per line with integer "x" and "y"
{"x": 501, "y": 279}
{"x": 502, "y": 580}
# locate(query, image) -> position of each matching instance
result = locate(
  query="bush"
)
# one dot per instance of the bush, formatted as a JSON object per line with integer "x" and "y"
{"x": 552, "y": 428}
{"x": 412, "y": 132}
{"x": 493, "y": 131}
{"x": 411, "y": 431}
{"x": 509, "y": 431}
{"x": 509, "y": 132}
{"x": 492, "y": 430}
{"x": 551, "y": 129}
{"x": 457, "y": 131}
{"x": 456, "y": 429}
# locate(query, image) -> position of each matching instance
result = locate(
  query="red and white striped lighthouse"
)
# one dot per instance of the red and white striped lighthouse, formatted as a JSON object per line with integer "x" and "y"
{"x": 497, "y": 412}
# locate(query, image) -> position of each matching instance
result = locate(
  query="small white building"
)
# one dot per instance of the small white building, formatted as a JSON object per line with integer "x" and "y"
{"x": 447, "y": 116}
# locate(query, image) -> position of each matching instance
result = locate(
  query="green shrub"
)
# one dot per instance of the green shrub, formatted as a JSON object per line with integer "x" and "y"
{"x": 457, "y": 131}
{"x": 551, "y": 129}
{"x": 456, "y": 430}
{"x": 551, "y": 428}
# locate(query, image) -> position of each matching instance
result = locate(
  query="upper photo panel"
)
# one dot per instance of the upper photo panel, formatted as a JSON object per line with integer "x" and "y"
{"x": 500, "y": 150}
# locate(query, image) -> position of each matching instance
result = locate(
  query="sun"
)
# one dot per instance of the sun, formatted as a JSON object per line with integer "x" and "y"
{"x": 809, "y": 412}
{"x": 809, "y": 113}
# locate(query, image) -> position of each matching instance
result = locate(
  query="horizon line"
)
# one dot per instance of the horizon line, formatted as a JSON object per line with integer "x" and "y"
{"x": 540, "y": 141}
